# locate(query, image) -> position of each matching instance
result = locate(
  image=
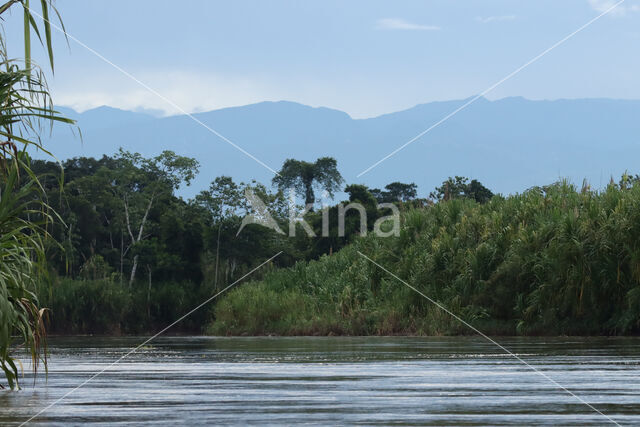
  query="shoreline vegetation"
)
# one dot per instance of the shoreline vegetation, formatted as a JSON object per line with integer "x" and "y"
{"x": 553, "y": 260}
{"x": 26, "y": 108}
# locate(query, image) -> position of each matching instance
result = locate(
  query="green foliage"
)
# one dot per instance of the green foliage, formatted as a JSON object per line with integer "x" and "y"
{"x": 96, "y": 268}
{"x": 25, "y": 105}
{"x": 120, "y": 208}
{"x": 460, "y": 187}
{"x": 552, "y": 260}
{"x": 21, "y": 263}
{"x": 303, "y": 176}
{"x": 396, "y": 192}
{"x": 360, "y": 193}
{"x": 122, "y": 213}
{"x": 223, "y": 198}
{"x": 105, "y": 306}
{"x": 87, "y": 306}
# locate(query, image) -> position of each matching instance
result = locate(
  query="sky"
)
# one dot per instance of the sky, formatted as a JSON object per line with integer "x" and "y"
{"x": 363, "y": 57}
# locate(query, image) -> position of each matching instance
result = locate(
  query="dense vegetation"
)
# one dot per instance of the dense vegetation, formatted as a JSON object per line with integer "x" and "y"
{"x": 552, "y": 260}
{"x": 132, "y": 255}
{"x": 25, "y": 107}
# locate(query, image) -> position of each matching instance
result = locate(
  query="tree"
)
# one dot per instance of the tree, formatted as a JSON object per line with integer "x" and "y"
{"x": 303, "y": 176}
{"x": 360, "y": 193}
{"x": 138, "y": 182}
{"x": 478, "y": 192}
{"x": 91, "y": 206}
{"x": 225, "y": 204}
{"x": 460, "y": 188}
{"x": 223, "y": 199}
{"x": 396, "y": 192}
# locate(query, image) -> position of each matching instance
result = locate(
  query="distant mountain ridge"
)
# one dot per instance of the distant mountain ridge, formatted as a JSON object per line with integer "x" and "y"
{"x": 509, "y": 144}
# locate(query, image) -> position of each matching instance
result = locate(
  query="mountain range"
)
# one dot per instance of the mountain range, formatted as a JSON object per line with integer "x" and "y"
{"x": 509, "y": 144}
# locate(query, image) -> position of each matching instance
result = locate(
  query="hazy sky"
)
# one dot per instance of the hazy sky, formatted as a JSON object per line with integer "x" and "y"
{"x": 363, "y": 57}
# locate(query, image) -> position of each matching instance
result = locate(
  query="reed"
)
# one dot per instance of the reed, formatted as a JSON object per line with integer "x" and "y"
{"x": 25, "y": 105}
{"x": 552, "y": 260}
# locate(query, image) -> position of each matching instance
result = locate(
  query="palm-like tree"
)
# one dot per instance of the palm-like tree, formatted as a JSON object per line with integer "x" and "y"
{"x": 303, "y": 176}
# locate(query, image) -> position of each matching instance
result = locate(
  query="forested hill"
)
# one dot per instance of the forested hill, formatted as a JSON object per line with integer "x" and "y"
{"x": 509, "y": 144}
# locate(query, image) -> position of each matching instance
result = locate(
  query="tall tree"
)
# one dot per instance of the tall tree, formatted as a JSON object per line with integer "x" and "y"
{"x": 360, "y": 193}
{"x": 396, "y": 192}
{"x": 223, "y": 199}
{"x": 460, "y": 187}
{"x": 139, "y": 182}
{"x": 304, "y": 176}
{"x": 478, "y": 192}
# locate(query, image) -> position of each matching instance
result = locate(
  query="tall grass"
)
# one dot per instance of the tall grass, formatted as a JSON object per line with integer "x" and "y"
{"x": 552, "y": 260}
{"x": 21, "y": 264}
{"x": 25, "y": 105}
{"x": 106, "y": 307}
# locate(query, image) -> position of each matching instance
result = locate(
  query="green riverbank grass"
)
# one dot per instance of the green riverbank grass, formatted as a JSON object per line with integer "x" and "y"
{"x": 550, "y": 261}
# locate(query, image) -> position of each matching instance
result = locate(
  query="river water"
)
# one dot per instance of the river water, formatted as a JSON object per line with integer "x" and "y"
{"x": 332, "y": 381}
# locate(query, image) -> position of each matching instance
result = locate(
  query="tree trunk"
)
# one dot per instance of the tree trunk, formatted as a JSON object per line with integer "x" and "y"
{"x": 215, "y": 286}
{"x": 135, "y": 240}
{"x": 133, "y": 270}
{"x": 149, "y": 295}
{"x": 121, "y": 255}
{"x": 309, "y": 197}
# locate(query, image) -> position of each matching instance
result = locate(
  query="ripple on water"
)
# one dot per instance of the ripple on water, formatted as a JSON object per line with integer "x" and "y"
{"x": 376, "y": 380}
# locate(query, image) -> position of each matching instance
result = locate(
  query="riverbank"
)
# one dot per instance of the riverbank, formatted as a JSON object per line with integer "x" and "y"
{"x": 255, "y": 310}
{"x": 551, "y": 261}
{"x": 111, "y": 308}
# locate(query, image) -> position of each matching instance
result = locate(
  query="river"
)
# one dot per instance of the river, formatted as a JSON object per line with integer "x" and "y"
{"x": 332, "y": 381}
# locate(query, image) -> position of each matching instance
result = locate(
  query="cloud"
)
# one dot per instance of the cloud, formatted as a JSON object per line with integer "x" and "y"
{"x": 602, "y": 6}
{"x": 191, "y": 91}
{"x": 488, "y": 19}
{"x": 201, "y": 90}
{"x": 401, "y": 24}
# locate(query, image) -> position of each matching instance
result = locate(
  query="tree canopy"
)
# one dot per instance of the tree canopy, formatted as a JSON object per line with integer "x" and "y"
{"x": 460, "y": 188}
{"x": 396, "y": 192}
{"x": 303, "y": 176}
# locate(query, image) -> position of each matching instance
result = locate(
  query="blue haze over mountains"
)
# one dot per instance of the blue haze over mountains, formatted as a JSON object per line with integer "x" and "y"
{"x": 509, "y": 144}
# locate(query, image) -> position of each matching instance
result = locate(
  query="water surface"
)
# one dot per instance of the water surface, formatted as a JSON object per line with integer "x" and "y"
{"x": 368, "y": 381}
